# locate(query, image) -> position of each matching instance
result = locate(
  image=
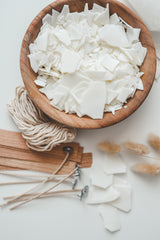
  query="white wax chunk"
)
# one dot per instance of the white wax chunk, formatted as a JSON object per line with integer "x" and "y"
{"x": 114, "y": 19}
{"x": 70, "y": 61}
{"x": 124, "y": 94}
{"x": 110, "y": 62}
{"x": 101, "y": 179}
{"x": 110, "y": 217}
{"x": 42, "y": 41}
{"x": 124, "y": 202}
{"x": 133, "y": 34}
{"x": 114, "y": 35}
{"x": 94, "y": 100}
{"x": 97, "y": 195}
{"x": 63, "y": 36}
{"x": 92, "y": 56}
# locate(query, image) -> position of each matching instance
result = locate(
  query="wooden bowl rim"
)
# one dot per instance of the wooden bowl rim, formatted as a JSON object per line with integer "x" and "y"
{"x": 73, "y": 120}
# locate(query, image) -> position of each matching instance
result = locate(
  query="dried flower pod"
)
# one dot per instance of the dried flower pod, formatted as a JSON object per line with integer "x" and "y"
{"x": 154, "y": 141}
{"x": 109, "y": 147}
{"x": 137, "y": 148}
{"x": 146, "y": 168}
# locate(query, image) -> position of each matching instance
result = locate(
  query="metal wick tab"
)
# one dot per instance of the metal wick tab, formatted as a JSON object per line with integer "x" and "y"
{"x": 68, "y": 149}
{"x": 83, "y": 193}
{"x": 76, "y": 176}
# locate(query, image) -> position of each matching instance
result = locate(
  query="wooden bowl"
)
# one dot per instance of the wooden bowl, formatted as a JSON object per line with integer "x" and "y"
{"x": 148, "y": 67}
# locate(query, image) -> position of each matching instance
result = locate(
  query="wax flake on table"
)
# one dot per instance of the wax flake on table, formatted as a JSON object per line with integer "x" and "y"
{"x": 124, "y": 202}
{"x": 110, "y": 217}
{"x": 97, "y": 195}
{"x": 121, "y": 182}
{"x": 101, "y": 179}
{"x": 114, "y": 164}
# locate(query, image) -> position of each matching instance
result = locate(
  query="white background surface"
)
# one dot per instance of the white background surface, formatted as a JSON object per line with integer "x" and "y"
{"x": 69, "y": 218}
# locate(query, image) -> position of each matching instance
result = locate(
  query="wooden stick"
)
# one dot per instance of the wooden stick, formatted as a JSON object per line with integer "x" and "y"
{"x": 42, "y": 182}
{"x": 40, "y": 194}
{"x": 86, "y": 160}
{"x": 6, "y": 168}
{"x": 44, "y": 195}
{"x": 31, "y": 181}
{"x": 142, "y": 155}
{"x": 12, "y": 174}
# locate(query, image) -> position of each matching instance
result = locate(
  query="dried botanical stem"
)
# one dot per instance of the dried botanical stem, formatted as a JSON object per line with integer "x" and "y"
{"x": 152, "y": 169}
{"x": 109, "y": 147}
{"x": 39, "y": 184}
{"x": 143, "y": 156}
{"x": 46, "y": 191}
{"x": 137, "y": 148}
{"x": 49, "y": 194}
{"x": 154, "y": 141}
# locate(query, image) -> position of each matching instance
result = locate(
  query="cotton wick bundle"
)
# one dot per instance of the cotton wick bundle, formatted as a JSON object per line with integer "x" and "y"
{"x": 40, "y": 132}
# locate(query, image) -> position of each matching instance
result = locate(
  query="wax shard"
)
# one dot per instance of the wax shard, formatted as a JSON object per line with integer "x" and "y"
{"x": 63, "y": 36}
{"x": 110, "y": 62}
{"x": 114, "y": 19}
{"x": 114, "y": 35}
{"x": 124, "y": 202}
{"x": 94, "y": 100}
{"x": 124, "y": 94}
{"x": 110, "y": 217}
{"x": 101, "y": 179}
{"x": 97, "y": 195}
{"x": 70, "y": 61}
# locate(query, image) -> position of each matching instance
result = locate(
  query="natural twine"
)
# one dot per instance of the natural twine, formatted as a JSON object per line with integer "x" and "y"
{"x": 40, "y": 132}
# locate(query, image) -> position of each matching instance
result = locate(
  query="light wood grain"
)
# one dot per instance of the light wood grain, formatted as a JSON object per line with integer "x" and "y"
{"x": 148, "y": 67}
{"x": 13, "y": 145}
{"x": 86, "y": 160}
{"x": 34, "y": 166}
